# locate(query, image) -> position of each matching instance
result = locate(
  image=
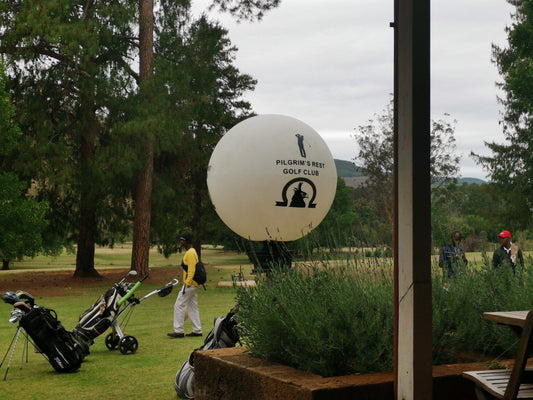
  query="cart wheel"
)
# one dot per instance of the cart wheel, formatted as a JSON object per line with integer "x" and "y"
{"x": 111, "y": 341}
{"x": 128, "y": 345}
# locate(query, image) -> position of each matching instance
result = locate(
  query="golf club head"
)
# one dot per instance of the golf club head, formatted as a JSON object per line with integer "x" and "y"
{"x": 10, "y": 298}
{"x": 131, "y": 272}
{"x": 25, "y": 297}
{"x": 16, "y": 316}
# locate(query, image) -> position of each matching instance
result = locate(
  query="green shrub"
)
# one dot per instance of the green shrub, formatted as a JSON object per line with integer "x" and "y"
{"x": 325, "y": 320}
{"x": 458, "y": 306}
{"x": 338, "y": 320}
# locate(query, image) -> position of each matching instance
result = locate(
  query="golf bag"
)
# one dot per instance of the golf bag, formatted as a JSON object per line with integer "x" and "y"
{"x": 112, "y": 308}
{"x": 50, "y": 338}
{"x": 97, "y": 319}
{"x": 224, "y": 334}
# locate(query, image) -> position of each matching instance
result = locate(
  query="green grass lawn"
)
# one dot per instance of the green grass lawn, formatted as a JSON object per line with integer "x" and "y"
{"x": 148, "y": 374}
{"x": 120, "y": 257}
{"x": 104, "y": 374}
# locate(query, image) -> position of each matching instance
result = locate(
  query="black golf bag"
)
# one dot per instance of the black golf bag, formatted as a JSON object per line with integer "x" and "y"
{"x": 50, "y": 338}
{"x": 97, "y": 319}
{"x": 224, "y": 334}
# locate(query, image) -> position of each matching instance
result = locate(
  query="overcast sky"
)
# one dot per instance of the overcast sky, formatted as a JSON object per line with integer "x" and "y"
{"x": 329, "y": 63}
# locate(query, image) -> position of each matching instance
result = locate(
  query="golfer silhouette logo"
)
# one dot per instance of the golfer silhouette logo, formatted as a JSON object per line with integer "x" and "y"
{"x": 298, "y": 196}
{"x": 301, "y": 145}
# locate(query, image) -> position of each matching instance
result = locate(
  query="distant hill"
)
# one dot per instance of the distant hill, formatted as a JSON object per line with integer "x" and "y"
{"x": 471, "y": 180}
{"x": 352, "y": 175}
{"x": 347, "y": 169}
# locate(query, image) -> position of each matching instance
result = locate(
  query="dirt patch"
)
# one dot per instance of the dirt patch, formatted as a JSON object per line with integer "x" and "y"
{"x": 52, "y": 283}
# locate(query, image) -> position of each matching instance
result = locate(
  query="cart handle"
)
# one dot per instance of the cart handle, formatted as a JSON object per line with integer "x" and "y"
{"x": 132, "y": 290}
{"x": 173, "y": 282}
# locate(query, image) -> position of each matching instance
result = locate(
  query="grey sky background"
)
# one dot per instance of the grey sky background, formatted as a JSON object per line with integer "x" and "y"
{"x": 329, "y": 63}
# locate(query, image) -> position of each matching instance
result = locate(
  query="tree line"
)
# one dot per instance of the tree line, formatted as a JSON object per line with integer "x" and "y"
{"x": 110, "y": 111}
{"x": 118, "y": 105}
{"x": 480, "y": 212}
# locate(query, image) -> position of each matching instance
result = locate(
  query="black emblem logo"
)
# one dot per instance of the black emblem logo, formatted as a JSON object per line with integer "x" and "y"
{"x": 299, "y": 196}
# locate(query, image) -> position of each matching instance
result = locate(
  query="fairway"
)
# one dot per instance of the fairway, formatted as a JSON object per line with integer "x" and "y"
{"x": 150, "y": 372}
{"x": 105, "y": 374}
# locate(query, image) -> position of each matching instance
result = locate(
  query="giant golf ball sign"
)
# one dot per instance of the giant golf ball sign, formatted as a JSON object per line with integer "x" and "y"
{"x": 272, "y": 177}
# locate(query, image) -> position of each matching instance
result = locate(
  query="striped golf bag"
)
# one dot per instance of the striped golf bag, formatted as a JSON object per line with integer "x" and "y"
{"x": 97, "y": 319}
{"x": 224, "y": 334}
{"x": 50, "y": 338}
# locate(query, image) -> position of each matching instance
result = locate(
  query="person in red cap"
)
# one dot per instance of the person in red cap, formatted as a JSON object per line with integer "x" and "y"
{"x": 508, "y": 253}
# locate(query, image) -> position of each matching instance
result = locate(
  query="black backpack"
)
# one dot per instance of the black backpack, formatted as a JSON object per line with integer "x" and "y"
{"x": 200, "y": 276}
{"x": 49, "y": 336}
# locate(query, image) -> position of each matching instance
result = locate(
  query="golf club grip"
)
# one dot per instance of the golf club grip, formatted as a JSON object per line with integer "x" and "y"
{"x": 130, "y": 293}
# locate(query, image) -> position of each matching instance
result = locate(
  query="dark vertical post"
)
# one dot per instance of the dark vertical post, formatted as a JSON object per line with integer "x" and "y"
{"x": 395, "y": 188}
{"x": 412, "y": 230}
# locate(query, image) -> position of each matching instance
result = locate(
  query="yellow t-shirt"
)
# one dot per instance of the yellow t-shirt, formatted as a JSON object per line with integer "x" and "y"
{"x": 190, "y": 259}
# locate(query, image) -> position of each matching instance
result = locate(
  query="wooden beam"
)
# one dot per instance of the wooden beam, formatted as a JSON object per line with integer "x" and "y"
{"x": 412, "y": 233}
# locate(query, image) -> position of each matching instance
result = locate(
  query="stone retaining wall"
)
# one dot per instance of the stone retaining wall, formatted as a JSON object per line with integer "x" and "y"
{"x": 232, "y": 374}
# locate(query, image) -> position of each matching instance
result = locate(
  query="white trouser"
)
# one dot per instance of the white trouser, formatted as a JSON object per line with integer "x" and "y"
{"x": 187, "y": 302}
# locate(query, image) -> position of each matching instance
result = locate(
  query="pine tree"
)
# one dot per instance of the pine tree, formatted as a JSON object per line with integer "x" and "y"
{"x": 22, "y": 218}
{"x": 511, "y": 163}
{"x": 204, "y": 91}
{"x": 68, "y": 64}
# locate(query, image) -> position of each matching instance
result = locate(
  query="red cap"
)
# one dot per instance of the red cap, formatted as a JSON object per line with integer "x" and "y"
{"x": 504, "y": 234}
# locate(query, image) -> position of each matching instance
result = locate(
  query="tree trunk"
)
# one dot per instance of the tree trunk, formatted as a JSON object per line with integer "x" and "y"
{"x": 196, "y": 223}
{"x": 85, "y": 252}
{"x": 88, "y": 186}
{"x": 143, "y": 190}
{"x": 141, "y": 228}
{"x": 87, "y": 231}
{"x": 5, "y": 265}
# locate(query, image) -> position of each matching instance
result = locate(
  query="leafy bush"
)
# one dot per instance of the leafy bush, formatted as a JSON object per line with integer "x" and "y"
{"x": 330, "y": 321}
{"x": 338, "y": 319}
{"x": 458, "y": 305}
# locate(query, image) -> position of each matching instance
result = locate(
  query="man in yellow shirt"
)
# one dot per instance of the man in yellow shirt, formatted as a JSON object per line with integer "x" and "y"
{"x": 187, "y": 301}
